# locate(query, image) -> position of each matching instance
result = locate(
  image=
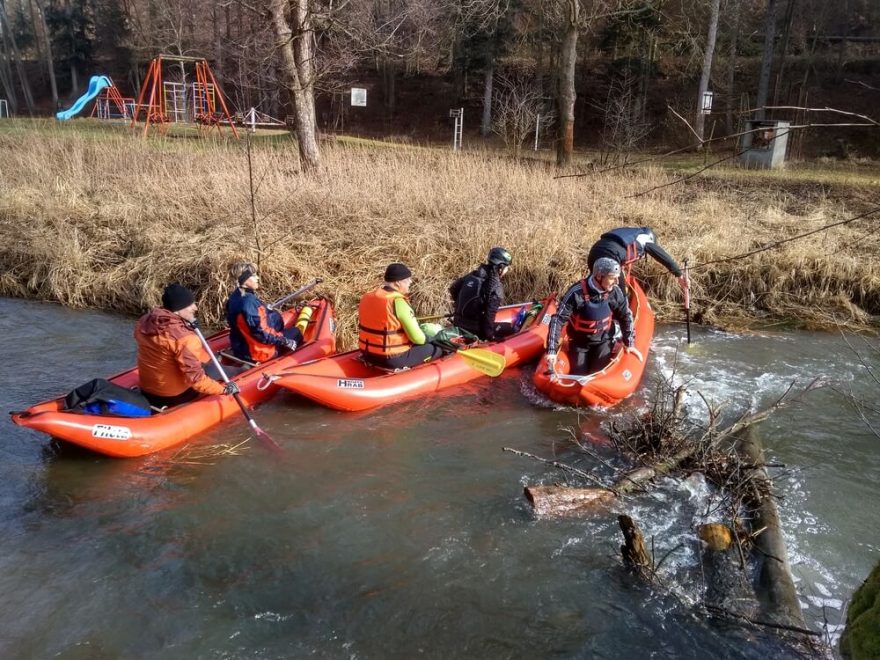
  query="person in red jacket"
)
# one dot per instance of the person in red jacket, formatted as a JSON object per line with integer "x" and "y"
{"x": 170, "y": 357}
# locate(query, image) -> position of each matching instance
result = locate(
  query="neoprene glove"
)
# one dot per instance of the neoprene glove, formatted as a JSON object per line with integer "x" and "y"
{"x": 231, "y": 388}
{"x": 290, "y": 344}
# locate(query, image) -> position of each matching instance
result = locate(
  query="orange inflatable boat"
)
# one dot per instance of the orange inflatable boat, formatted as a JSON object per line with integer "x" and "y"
{"x": 616, "y": 381}
{"x": 126, "y": 437}
{"x": 346, "y": 382}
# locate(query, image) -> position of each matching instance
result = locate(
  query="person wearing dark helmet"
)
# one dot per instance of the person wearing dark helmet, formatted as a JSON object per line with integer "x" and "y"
{"x": 170, "y": 357}
{"x": 389, "y": 336}
{"x": 589, "y": 309}
{"x": 479, "y": 294}
{"x": 626, "y": 245}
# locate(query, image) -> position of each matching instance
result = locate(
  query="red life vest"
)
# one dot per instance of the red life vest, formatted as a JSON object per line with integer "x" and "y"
{"x": 593, "y": 319}
{"x": 379, "y": 330}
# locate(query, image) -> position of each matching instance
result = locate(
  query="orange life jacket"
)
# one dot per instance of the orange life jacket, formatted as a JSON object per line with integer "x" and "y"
{"x": 379, "y": 330}
{"x": 258, "y": 351}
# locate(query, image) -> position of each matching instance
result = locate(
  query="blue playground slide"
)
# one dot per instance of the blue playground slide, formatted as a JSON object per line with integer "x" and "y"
{"x": 96, "y": 84}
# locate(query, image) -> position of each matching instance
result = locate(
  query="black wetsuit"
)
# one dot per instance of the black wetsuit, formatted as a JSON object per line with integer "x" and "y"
{"x": 629, "y": 244}
{"x": 477, "y": 296}
{"x": 588, "y": 314}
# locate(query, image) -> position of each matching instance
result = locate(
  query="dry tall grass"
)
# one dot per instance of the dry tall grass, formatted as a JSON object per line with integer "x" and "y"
{"x": 106, "y": 220}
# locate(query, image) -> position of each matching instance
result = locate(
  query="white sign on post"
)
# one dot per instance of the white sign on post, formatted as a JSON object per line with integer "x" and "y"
{"x": 359, "y": 96}
{"x": 707, "y": 103}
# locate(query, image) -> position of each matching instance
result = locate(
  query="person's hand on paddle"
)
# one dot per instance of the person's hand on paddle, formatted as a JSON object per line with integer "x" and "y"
{"x": 290, "y": 345}
{"x": 231, "y": 388}
{"x": 550, "y": 358}
{"x": 683, "y": 282}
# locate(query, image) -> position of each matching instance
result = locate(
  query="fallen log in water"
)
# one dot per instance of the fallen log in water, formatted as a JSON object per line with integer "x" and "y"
{"x": 727, "y": 586}
{"x": 777, "y": 593}
{"x": 561, "y": 501}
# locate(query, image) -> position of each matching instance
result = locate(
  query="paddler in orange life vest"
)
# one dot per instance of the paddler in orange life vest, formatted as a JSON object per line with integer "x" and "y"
{"x": 626, "y": 245}
{"x": 256, "y": 331}
{"x": 590, "y": 307}
{"x": 389, "y": 336}
{"x": 170, "y": 358}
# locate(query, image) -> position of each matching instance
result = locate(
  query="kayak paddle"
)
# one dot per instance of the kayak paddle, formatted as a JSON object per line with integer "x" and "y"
{"x": 486, "y": 362}
{"x": 308, "y": 287}
{"x": 264, "y": 437}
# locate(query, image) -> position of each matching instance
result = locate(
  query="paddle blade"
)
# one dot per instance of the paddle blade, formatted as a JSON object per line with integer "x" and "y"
{"x": 486, "y": 362}
{"x": 265, "y": 438}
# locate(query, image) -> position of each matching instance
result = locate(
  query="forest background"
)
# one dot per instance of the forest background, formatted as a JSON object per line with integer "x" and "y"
{"x": 603, "y": 73}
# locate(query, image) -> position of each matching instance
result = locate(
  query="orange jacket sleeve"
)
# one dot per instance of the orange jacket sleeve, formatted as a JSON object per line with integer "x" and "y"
{"x": 189, "y": 355}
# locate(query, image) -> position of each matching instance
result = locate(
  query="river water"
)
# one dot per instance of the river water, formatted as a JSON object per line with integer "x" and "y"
{"x": 402, "y": 532}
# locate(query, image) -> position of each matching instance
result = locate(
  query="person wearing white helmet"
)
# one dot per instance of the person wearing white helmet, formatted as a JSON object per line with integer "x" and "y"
{"x": 588, "y": 311}
{"x": 626, "y": 245}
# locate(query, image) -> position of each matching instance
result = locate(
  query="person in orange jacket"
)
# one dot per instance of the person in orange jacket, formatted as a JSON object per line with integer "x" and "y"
{"x": 170, "y": 357}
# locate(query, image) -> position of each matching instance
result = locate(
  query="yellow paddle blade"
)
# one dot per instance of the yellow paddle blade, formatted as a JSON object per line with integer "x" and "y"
{"x": 486, "y": 362}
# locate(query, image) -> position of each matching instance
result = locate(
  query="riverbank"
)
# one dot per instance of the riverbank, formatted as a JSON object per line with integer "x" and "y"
{"x": 98, "y": 218}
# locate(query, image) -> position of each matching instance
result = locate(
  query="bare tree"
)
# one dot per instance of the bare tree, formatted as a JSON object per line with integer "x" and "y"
{"x": 294, "y": 23}
{"x": 625, "y": 126}
{"x": 519, "y": 110}
{"x": 9, "y": 38}
{"x": 572, "y": 15}
{"x": 708, "y": 53}
{"x": 766, "y": 58}
{"x": 44, "y": 32}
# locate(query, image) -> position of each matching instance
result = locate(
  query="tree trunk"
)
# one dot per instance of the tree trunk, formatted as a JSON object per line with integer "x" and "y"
{"x": 731, "y": 70}
{"x": 297, "y": 58}
{"x": 16, "y": 58}
{"x": 488, "y": 77}
{"x": 566, "y": 93}
{"x": 50, "y": 61}
{"x": 766, "y": 59}
{"x": 218, "y": 46}
{"x": 708, "y": 54}
{"x": 389, "y": 91}
{"x": 783, "y": 48}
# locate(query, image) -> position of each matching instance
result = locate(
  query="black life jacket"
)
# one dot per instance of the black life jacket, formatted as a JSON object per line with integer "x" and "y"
{"x": 628, "y": 237}
{"x": 592, "y": 321}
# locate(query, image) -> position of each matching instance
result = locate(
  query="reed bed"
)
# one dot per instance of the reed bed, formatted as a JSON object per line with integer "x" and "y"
{"x": 105, "y": 220}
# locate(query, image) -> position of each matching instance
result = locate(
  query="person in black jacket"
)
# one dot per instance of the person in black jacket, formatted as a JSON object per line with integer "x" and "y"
{"x": 479, "y": 294}
{"x": 589, "y": 309}
{"x": 626, "y": 245}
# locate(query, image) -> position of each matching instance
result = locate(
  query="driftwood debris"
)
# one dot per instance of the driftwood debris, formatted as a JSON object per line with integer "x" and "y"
{"x": 635, "y": 554}
{"x": 561, "y": 501}
{"x": 663, "y": 442}
{"x": 660, "y": 443}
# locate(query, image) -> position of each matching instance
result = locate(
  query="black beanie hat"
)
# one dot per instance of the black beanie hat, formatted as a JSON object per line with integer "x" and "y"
{"x": 397, "y": 272}
{"x": 176, "y": 297}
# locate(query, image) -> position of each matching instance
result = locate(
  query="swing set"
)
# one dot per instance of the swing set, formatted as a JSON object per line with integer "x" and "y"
{"x": 163, "y": 101}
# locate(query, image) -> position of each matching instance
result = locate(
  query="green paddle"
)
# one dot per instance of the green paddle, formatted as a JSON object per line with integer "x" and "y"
{"x": 486, "y": 362}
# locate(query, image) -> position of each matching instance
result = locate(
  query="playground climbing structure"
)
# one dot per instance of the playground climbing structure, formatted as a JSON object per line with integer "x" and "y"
{"x": 163, "y": 102}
